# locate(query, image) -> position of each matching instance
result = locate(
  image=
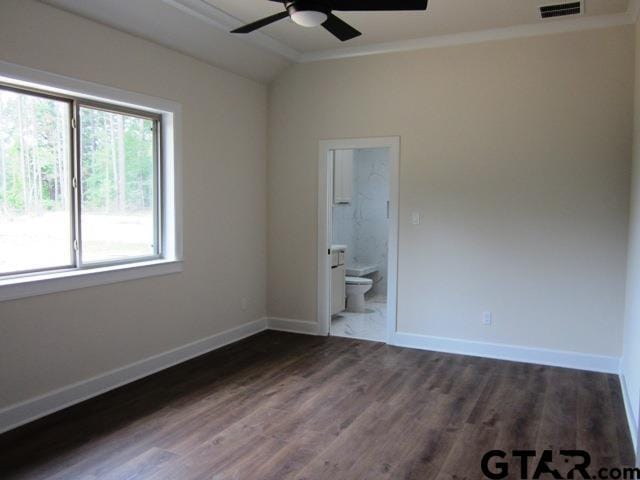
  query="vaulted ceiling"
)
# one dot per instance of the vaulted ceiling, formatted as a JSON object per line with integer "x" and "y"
{"x": 443, "y": 17}
{"x": 200, "y": 27}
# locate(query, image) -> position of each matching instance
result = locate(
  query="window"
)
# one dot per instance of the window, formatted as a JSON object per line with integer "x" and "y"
{"x": 80, "y": 184}
{"x": 36, "y": 212}
{"x": 118, "y": 187}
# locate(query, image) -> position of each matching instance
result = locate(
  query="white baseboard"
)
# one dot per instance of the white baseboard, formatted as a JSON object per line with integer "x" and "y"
{"x": 294, "y": 326}
{"x": 541, "y": 356}
{"x": 18, "y": 414}
{"x": 32, "y": 409}
{"x": 633, "y": 423}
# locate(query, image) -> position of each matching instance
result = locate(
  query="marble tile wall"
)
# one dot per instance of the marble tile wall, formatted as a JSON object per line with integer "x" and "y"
{"x": 363, "y": 225}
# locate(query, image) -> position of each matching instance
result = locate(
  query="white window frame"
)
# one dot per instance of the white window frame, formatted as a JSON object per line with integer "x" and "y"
{"x": 169, "y": 113}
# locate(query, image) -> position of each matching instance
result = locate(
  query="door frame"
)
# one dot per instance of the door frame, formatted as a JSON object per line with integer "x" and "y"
{"x": 637, "y": 442}
{"x": 325, "y": 204}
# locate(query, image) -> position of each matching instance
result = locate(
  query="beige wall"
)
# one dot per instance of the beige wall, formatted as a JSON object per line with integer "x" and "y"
{"x": 51, "y": 341}
{"x": 517, "y": 155}
{"x": 631, "y": 356}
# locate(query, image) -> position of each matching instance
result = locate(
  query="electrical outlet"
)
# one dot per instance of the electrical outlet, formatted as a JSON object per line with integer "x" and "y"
{"x": 244, "y": 304}
{"x": 486, "y": 318}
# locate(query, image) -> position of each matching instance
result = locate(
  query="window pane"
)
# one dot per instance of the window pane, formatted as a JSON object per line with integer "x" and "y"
{"x": 118, "y": 187}
{"x": 35, "y": 199}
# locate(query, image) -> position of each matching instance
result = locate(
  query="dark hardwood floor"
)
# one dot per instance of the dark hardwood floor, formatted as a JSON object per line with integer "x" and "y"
{"x": 283, "y": 406}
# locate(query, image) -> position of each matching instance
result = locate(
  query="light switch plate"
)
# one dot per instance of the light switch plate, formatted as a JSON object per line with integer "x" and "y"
{"x": 415, "y": 218}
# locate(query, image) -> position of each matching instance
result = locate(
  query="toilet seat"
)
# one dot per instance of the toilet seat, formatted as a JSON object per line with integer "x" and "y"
{"x": 358, "y": 281}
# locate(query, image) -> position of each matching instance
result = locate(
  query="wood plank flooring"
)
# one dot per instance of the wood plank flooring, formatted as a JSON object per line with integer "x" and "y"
{"x": 283, "y": 406}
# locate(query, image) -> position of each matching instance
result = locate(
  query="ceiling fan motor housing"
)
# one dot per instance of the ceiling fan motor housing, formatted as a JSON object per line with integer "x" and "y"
{"x": 307, "y": 5}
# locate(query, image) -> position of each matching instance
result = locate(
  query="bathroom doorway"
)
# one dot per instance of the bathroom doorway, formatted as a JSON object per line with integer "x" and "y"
{"x": 358, "y": 232}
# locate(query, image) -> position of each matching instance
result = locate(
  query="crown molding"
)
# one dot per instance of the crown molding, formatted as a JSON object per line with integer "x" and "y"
{"x": 214, "y": 16}
{"x": 222, "y": 20}
{"x": 520, "y": 31}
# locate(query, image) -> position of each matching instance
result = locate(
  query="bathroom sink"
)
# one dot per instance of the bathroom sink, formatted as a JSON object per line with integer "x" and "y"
{"x": 338, "y": 248}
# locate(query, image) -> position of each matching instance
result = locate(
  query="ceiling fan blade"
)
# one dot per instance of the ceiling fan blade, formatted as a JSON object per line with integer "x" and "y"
{"x": 378, "y": 5}
{"x": 340, "y": 28}
{"x": 261, "y": 23}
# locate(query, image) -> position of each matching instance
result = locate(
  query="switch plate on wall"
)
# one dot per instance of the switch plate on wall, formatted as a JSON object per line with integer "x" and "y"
{"x": 486, "y": 318}
{"x": 415, "y": 218}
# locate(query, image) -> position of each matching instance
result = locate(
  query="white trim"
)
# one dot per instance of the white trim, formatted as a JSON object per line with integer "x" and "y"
{"x": 52, "y": 282}
{"x": 304, "y": 327}
{"x": 514, "y": 353}
{"x": 633, "y": 424}
{"x": 394, "y": 243}
{"x": 217, "y": 18}
{"x": 171, "y": 113}
{"x": 31, "y": 77}
{"x": 323, "y": 277}
{"x": 214, "y": 16}
{"x": 325, "y": 196}
{"x": 18, "y": 414}
{"x": 222, "y": 20}
{"x": 549, "y": 27}
{"x": 21, "y": 413}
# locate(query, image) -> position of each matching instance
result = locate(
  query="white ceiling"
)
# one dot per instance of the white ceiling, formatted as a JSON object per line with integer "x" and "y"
{"x": 200, "y": 27}
{"x": 443, "y": 17}
{"x": 187, "y": 30}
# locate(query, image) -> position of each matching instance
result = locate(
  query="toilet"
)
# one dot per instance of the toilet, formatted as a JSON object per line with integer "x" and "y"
{"x": 356, "y": 287}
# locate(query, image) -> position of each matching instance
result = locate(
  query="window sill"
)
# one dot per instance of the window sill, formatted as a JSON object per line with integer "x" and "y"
{"x": 52, "y": 282}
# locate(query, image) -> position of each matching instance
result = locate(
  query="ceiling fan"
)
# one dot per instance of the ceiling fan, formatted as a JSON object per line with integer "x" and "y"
{"x": 312, "y": 13}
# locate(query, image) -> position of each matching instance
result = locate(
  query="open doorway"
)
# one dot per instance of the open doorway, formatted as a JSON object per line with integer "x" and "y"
{"x": 358, "y": 228}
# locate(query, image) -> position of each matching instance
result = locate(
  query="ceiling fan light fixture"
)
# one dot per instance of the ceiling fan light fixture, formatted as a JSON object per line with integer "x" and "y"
{"x": 313, "y": 13}
{"x": 309, "y": 18}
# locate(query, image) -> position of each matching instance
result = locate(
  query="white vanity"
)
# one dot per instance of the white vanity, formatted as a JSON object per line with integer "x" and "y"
{"x": 338, "y": 274}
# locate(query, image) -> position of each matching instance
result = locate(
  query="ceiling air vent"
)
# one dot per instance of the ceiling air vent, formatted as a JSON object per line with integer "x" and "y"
{"x": 561, "y": 10}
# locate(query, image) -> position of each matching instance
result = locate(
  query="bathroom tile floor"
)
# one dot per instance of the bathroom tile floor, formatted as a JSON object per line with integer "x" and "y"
{"x": 371, "y": 325}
